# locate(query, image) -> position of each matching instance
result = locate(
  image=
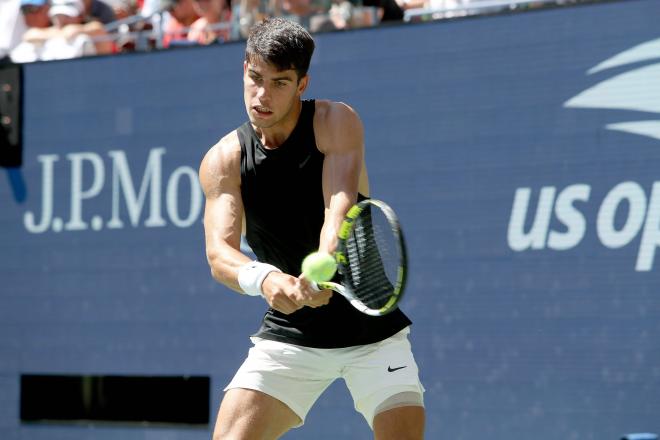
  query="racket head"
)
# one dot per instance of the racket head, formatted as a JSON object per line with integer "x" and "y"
{"x": 371, "y": 258}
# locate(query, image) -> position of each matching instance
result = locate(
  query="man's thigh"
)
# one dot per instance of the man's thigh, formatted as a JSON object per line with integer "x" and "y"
{"x": 401, "y": 423}
{"x": 293, "y": 376}
{"x": 249, "y": 414}
{"x": 384, "y": 376}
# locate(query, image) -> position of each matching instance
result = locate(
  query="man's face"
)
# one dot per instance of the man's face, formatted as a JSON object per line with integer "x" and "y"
{"x": 270, "y": 94}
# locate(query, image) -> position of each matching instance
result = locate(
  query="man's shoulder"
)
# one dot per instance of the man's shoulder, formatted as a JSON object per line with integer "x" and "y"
{"x": 330, "y": 116}
{"x": 326, "y": 109}
{"x": 221, "y": 166}
{"x": 225, "y": 152}
{"x": 228, "y": 143}
{"x": 336, "y": 124}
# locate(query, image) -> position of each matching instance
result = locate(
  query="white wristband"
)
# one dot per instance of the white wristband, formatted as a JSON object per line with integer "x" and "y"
{"x": 252, "y": 275}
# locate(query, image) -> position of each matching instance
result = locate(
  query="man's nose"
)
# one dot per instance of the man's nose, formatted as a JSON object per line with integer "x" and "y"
{"x": 262, "y": 93}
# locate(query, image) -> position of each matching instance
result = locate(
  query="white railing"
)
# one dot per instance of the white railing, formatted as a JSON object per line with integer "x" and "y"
{"x": 458, "y": 8}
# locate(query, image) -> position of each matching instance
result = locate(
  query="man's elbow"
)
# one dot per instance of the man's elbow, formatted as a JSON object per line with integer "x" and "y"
{"x": 217, "y": 275}
{"x": 213, "y": 259}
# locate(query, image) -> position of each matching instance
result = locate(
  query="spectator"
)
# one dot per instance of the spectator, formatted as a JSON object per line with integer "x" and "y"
{"x": 341, "y": 14}
{"x": 246, "y": 14}
{"x": 345, "y": 14}
{"x": 12, "y": 26}
{"x": 389, "y": 10}
{"x": 209, "y": 28}
{"x": 301, "y": 8}
{"x": 182, "y": 16}
{"x": 69, "y": 16}
{"x": 123, "y": 8}
{"x": 98, "y": 10}
{"x": 69, "y": 37}
{"x": 35, "y": 13}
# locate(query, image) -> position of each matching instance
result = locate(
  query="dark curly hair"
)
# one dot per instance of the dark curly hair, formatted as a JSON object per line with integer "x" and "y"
{"x": 281, "y": 43}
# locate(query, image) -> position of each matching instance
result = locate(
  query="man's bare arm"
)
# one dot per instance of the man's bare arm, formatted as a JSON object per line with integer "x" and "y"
{"x": 219, "y": 175}
{"x": 341, "y": 139}
{"x": 223, "y": 219}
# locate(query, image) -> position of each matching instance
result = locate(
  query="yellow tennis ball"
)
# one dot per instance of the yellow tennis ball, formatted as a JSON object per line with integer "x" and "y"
{"x": 318, "y": 267}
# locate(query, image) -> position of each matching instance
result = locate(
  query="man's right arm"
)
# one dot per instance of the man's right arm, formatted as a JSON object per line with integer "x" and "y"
{"x": 219, "y": 175}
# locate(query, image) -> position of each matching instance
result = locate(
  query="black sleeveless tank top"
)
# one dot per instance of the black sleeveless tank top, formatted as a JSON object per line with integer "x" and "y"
{"x": 283, "y": 202}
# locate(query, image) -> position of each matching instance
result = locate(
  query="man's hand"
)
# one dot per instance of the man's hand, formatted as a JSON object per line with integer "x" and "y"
{"x": 286, "y": 293}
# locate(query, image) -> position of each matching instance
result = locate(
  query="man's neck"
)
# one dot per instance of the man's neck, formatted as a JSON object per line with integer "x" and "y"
{"x": 272, "y": 137}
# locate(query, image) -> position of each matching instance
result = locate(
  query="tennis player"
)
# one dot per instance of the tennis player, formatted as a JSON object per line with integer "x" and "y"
{"x": 290, "y": 174}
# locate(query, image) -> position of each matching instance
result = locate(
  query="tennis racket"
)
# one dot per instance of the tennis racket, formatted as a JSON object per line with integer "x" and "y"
{"x": 371, "y": 259}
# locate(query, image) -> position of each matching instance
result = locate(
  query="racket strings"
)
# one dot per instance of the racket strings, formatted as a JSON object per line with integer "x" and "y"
{"x": 372, "y": 263}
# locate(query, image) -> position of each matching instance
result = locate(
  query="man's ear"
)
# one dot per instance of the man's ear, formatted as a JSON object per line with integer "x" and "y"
{"x": 302, "y": 84}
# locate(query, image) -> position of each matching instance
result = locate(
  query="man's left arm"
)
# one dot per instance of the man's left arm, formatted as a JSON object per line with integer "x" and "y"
{"x": 340, "y": 136}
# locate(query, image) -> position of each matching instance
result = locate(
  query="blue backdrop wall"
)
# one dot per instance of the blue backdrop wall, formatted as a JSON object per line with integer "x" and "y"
{"x": 521, "y": 152}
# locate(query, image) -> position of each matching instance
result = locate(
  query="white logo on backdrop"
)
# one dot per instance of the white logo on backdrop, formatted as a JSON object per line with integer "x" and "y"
{"x": 638, "y": 90}
{"x": 153, "y": 200}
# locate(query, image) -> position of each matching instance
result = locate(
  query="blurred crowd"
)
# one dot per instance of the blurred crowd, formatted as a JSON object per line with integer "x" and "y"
{"x": 34, "y": 30}
{"x": 59, "y": 29}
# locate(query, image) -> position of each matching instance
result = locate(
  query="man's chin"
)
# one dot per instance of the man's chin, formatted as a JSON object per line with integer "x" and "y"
{"x": 260, "y": 123}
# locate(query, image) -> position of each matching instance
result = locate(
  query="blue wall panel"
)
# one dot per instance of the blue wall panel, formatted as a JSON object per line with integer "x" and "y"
{"x": 526, "y": 183}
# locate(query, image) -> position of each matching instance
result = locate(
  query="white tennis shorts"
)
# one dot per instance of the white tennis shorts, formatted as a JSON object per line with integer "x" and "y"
{"x": 297, "y": 375}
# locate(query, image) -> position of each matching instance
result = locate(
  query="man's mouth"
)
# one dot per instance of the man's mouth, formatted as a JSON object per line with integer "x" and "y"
{"x": 261, "y": 110}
